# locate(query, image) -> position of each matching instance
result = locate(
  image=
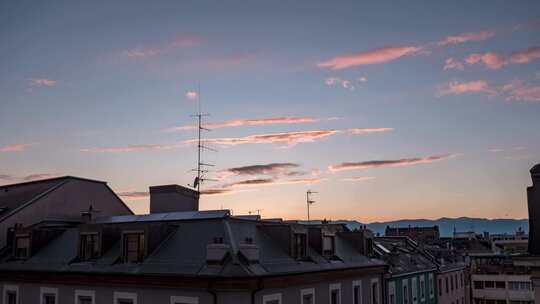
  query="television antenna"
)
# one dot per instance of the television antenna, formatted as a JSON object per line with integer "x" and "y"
{"x": 250, "y": 212}
{"x": 201, "y": 171}
{"x": 309, "y": 201}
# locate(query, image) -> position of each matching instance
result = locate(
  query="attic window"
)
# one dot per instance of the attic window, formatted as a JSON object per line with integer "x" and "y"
{"x": 133, "y": 247}
{"x": 299, "y": 246}
{"x": 89, "y": 246}
{"x": 328, "y": 245}
{"x": 22, "y": 246}
{"x": 218, "y": 240}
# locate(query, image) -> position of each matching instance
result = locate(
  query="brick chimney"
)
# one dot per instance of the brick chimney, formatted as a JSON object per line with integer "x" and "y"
{"x": 173, "y": 198}
{"x": 533, "y": 197}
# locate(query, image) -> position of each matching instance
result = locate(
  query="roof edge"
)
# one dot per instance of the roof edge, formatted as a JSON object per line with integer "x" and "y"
{"x": 53, "y": 179}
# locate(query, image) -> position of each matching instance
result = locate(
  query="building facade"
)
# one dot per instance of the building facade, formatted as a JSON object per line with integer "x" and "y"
{"x": 190, "y": 257}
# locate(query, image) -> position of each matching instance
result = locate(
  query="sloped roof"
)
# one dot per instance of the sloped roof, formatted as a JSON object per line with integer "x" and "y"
{"x": 183, "y": 253}
{"x": 402, "y": 255}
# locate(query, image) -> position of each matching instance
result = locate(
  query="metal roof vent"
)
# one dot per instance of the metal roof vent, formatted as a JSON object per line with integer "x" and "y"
{"x": 216, "y": 253}
{"x": 250, "y": 252}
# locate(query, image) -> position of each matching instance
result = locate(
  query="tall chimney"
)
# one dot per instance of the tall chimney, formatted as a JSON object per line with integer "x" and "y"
{"x": 173, "y": 198}
{"x": 533, "y": 197}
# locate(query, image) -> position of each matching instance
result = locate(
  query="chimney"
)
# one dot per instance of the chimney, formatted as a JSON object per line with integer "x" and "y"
{"x": 173, "y": 198}
{"x": 533, "y": 197}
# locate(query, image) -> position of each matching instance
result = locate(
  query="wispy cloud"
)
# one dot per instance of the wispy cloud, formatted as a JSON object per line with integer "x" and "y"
{"x": 492, "y": 60}
{"x": 375, "y": 56}
{"x": 192, "y": 95}
{"x": 467, "y": 37}
{"x": 179, "y": 42}
{"x": 387, "y": 163}
{"x": 248, "y": 122}
{"x": 132, "y": 148}
{"x": 457, "y": 88}
{"x": 217, "y": 191}
{"x": 368, "y": 130}
{"x": 42, "y": 82}
{"x": 134, "y": 195}
{"x": 6, "y": 177}
{"x": 15, "y": 147}
{"x": 452, "y": 64}
{"x": 36, "y": 176}
{"x": 287, "y": 138}
{"x": 520, "y": 91}
{"x": 358, "y": 178}
{"x": 264, "y": 169}
{"x": 344, "y": 83}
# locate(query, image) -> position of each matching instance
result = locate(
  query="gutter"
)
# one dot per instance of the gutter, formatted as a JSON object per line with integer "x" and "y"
{"x": 260, "y": 286}
{"x": 212, "y": 291}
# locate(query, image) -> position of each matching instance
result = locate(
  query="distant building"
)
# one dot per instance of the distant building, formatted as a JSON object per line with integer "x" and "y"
{"x": 510, "y": 243}
{"x": 190, "y": 257}
{"x": 411, "y": 275}
{"x": 500, "y": 279}
{"x": 419, "y": 234}
{"x": 59, "y": 198}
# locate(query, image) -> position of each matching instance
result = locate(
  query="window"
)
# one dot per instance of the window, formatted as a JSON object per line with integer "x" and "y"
{"x": 328, "y": 245}
{"x": 519, "y": 285}
{"x": 489, "y": 284}
{"x": 22, "y": 246}
{"x": 133, "y": 247}
{"x": 307, "y": 296}
{"x": 184, "y": 300}
{"x": 89, "y": 246}
{"x": 85, "y": 297}
{"x": 440, "y": 287}
{"x": 500, "y": 284}
{"x": 48, "y": 295}
{"x": 357, "y": 292}
{"x": 422, "y": 288}
{"x": 272, "y": 299}
{"x": 455, "y": 281}
{"x": 447, "y": 289}
{"x": 11, "y": 294}
{"x": 461, "y": 280}
{"x": 125, "y": 298}
{"x": 300, "y": 246}
{"x": 374, "y": 291}
{"x": 431, "y": 287}
{"x": 478, "y": 285}
{"x": 391, "y": 293}
{"x": 451, "y": 283}
{"x": 335, "y": 293}
{"x": 405, "y": 291}
{"x": 414, "y": 290}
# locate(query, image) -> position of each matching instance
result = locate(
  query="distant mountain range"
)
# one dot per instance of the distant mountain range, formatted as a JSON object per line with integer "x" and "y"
{"x": 446, "y": 225}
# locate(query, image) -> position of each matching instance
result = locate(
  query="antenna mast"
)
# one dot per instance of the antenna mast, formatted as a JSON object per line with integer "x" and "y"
{"x": 200, "y": 146}
{"x": 309, "y": 201}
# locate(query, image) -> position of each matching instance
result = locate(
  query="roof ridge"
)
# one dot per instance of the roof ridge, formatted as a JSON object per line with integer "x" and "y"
{"x": 52, "y": 179}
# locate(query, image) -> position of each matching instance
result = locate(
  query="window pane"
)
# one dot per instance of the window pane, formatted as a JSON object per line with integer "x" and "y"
{"x": 84, "y": 300}
{"x": 356, "y": 295}
{"x": 49, "y": 299}
{"x": 307, "y": 299}
{"x": 11, "y": 297}
{"x": 124, "y": 301}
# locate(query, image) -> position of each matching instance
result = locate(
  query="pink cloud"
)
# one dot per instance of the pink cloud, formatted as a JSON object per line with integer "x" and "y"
{"x": 375, "y": 56}
{"x": 490, "y": 59}
{"x": 15, "y": 147}
{"x": 358, "y": 178}
{"x": 192, "y": 95}
{"x": 179, "y": 42}
{"x": 451, "y": 63}
{"x": 525, "y": 56}
{"x": 131, "y": 148}
{"x": 248, "y": 122}
{"x": 520, "y": 91}
{"x": 387, "y": 163}
{"x": 287, "y": 138}
{"x": 457, "y": 88}
{"x": 43, "y": 82}
{"x": 217, "y": 192}
{"x": 368, "y": 130}
{"x": 466, "y": 37}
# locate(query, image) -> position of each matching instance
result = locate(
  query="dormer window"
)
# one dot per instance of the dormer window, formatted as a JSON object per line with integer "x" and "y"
{"x": 133, "y": 244}
{"x": 328, "y": 245}
{"x": 299, "y": 246}
{"x": 89, "y": 246}
{"x": 22, "y": 246}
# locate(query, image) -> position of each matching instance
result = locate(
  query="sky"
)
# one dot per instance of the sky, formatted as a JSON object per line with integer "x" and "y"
{"x": 388, "y": 110}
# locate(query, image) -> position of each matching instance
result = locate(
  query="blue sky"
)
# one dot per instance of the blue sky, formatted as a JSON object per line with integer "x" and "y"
{"x": 428, "y": 109}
